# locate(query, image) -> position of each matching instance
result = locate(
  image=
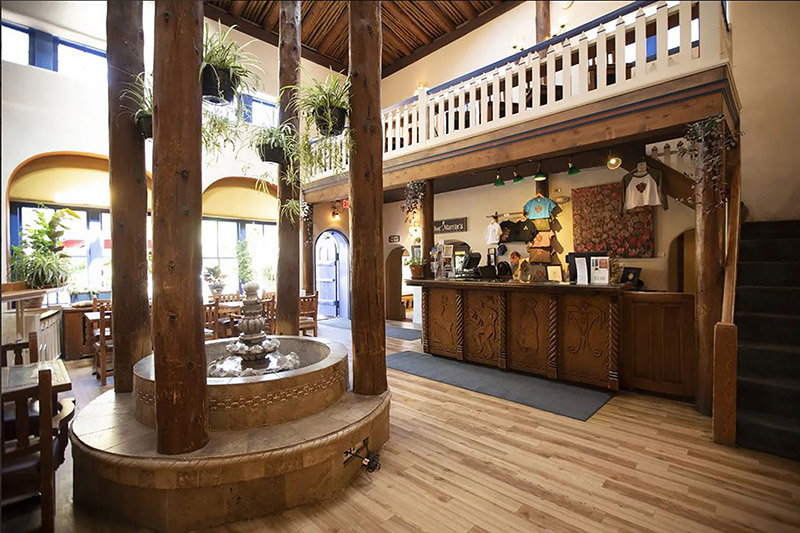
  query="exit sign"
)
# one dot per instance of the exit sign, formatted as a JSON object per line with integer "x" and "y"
{"x": 346, "y": 203}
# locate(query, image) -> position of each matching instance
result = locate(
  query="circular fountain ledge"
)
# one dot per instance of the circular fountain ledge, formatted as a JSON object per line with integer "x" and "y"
{"x": 256, "y": 401}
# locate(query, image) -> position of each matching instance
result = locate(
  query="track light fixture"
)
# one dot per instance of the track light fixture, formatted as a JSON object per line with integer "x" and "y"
{"x": 517, "y": 177}
{"x": 540, "y": 175}
{"x": 614, "y": 161}
{"x": 572, "y": 168}
{"x": 498, "y": 182}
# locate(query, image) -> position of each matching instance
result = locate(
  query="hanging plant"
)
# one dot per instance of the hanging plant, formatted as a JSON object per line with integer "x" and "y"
{"x": 707, "y": 142}
{"x": 138, "y": 99}
{"x": 412, "y": 199}
{"x": 226, "y": 69}
{"x": 325, "y": 103}
{"x": 307, "y": 211}
{"x": 219, "y": 132}
{"x": 276, "y": 143}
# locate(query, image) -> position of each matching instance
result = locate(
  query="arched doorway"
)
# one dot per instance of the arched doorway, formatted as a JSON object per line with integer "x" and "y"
{"x": 395, "y": 274}
{"x": 332, "y": 259}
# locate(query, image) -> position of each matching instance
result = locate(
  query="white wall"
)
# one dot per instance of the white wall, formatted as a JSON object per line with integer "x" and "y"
{"x": 764, "y": 37}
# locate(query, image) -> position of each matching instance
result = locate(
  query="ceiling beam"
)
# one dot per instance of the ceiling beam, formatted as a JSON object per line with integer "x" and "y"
{"x": 487, "y": 16}
{"x": 253, "y": 30}
{"x": 237, "y": 6}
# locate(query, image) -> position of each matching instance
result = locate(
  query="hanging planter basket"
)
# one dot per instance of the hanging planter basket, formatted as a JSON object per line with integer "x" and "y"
{"x": 336, "y": 125}
{"x": 219, "y": 85}
{"x": 145, "y": 125}
{"x": 270, "y": 154}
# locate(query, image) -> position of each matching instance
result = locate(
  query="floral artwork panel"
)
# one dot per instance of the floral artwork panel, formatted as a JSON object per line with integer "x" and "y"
{"x": 600, "y": 226}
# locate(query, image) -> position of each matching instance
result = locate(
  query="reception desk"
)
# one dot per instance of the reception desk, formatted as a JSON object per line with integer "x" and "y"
{"x": 557, "y": 330}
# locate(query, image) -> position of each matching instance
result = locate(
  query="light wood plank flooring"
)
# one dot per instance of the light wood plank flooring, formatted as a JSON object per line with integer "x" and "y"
{"x": 461, "y": 461}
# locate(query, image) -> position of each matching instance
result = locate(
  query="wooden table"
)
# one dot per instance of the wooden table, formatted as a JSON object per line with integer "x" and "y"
{"x": 19, "y": 296}
{"x": 19, "y": 377}
{"x": 92, "y": 318}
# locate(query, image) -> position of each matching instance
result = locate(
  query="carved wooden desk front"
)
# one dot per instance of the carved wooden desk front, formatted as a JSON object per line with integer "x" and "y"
{"x": 556, "y": 330}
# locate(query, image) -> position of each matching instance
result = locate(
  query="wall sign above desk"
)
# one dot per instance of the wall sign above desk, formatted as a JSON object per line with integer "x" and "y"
{"x": 450, "y": 225}
{"x": 394, "y": 238}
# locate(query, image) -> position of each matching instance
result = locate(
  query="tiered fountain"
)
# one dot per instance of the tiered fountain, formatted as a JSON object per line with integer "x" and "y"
{"x": 281, "y": 419}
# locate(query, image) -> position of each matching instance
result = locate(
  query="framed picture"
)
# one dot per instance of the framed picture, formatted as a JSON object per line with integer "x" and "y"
{"x": 554, "y": 273}
{"x": 416, "y": 252}
{"x": 630, "y": 275}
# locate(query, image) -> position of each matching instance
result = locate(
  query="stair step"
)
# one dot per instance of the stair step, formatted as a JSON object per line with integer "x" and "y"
{"x": 779, "y": 229}
{"x": 757, "y": 359}
{"x": 769, "y": 250}
{"x": 772, "y": 434}
{"x": 769, "y": 273}
{"x": 771, "y": 396}
{"x": 760, "y": 299}
{"x": 768, "y": 328}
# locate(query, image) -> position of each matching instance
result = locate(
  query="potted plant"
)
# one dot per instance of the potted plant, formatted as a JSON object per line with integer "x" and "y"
{"x": 412, "y": 199}
{"x": 417, "y": 266}
{"x": 273, "y": 144}
{"x": 244, "y": 262}
{"x": 226, "y": 68}
{"x": 138, "y": 96}
{"x": 39, "y": 259}
{"x": 215, "y": 278}
{"x": 326, "y": 102}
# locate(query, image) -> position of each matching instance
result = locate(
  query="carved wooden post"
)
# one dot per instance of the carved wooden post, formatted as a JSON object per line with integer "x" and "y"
{"x": 128, "y": 184}
{"x": 180, "y": 361}
{"x": 426, "y": 223}
{"x": 708, "y": 298}
{"x": 552, "y": 337}
{"x": 366, "y": 195}
{"x": 307, "y": 238}
{"x": 542, "y": 21}
{"x": 287, "y": 310}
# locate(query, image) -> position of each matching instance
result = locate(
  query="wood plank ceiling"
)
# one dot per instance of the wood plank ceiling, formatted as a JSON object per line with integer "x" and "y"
{"x": 411, "y": 29}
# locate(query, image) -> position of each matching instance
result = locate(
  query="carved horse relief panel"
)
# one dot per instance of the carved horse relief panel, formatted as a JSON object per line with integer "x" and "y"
{"x": 441, "y": 322}
{"x": 527, "y": 332}
{"x": 484, "y": 326}
{"x": 584, "y": 336}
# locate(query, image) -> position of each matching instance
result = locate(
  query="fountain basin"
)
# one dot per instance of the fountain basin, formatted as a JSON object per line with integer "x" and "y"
{"x": 250, "y": 402}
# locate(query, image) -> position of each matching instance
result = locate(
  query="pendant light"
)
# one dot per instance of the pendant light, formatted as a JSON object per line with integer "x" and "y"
{"x": 572, "y": 168}
{"x": 517, "y": 177}
{"x": 539, "y": 176}
{"x": 614, "y": 161}
{"x": 498, "y": 182}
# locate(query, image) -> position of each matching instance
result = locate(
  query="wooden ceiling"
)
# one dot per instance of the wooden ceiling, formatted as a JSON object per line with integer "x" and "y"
{"x": 411, "y": 29}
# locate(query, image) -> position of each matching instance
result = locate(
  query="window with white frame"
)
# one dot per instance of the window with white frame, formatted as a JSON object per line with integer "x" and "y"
{"x": 16, "y": 45}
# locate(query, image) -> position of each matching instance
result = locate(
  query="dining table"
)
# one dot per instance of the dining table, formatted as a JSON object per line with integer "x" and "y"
{"x": 19, "y": 377}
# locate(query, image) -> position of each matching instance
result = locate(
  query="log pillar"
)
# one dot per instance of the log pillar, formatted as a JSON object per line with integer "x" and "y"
{"x": 542, "y": 20}
{"x": 307, "y": 244}
{"x": 128, "y": 185}
{"x": 708, "y": 296}
{"x": 368, "y": 312}
{"x": 287, "y": 311}
{"x": 426, "y": 224}
{"x": 180, "y": 361}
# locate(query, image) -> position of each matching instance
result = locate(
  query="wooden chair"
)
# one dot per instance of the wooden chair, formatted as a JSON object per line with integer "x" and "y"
{"x": 308, "y": 313}
{"x": 232, "y": 297}
{"x": 9, "y": 410}
{"x": 227, "y": 317}
{"x": 268, "y": 310}
{"x": 211, "y": 320}
{"x": 96, "y": 304}
{"x": 29, "y": 464}
{"x": 104, "y": 345}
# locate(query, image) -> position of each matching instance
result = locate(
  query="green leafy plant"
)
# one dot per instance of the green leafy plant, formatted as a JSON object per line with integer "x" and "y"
{"x": 412, "y": 199}
{"x": 138, "y": 96}
{"x": 220, "y": 52}
{"x": 39, "y": 259}
{"x": 282, "y": 137}
{"x": 213, "y": 275}
{"x": 244, "y": 262}
{"x": 219, "y": 132}
{"x": 415, "y": 261}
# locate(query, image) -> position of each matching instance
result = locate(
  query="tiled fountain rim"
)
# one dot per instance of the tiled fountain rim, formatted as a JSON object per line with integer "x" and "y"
{"x": 337, "y": 351}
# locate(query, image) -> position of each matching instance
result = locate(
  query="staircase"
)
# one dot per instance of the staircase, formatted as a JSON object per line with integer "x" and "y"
{"x": 768, "y": 321}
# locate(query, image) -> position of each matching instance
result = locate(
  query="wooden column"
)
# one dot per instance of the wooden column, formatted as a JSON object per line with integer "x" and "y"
{"x": 708, "y": 302}
{"x": 180, "y": 361}
{"x": 128, "y": 184}
{"x": 367, "y": 310}
{"x": 307, "y": 244}
{"x": 288, "y": 278}
{"x": 542, "y": 20}
{"x": 426, "y": 223}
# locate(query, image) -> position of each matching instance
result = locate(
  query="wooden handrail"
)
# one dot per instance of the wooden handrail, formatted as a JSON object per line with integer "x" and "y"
{"x": 725, "y": 332}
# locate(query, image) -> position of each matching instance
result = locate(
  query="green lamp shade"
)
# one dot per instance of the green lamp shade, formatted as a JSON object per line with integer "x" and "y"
{"x": 572, "y": 169}
{"x": 499, "y": 181}
{"x": 540, "y": 176}
{"x": 518, "y": 178}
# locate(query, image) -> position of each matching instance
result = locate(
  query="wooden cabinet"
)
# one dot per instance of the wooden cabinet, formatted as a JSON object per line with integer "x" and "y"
{"x": 528, "y": 326}
{"x": 485, "y": 327}
{"x": 658, "y": 343}
{"x": 73, "y": 333}
{"x": 439, "y": 335}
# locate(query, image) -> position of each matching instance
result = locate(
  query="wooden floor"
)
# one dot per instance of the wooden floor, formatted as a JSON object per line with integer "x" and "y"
{"x": 461, "y": 461}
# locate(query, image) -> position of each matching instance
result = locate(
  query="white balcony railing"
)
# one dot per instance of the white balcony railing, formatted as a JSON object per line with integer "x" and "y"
{"x": 641, "y": 44}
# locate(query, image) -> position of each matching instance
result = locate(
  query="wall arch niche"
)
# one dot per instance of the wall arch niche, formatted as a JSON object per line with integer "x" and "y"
{"x": 395, "y": 274}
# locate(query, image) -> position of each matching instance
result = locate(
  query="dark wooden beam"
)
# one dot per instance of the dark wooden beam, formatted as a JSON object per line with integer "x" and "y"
{"x": 237, "y": 6}
{"x": 287, "y": 312}
{"x": 128, "y": 184}
{"x": 258, "y": 32}
{"x": 487, "y": 16}
{"x": 426, "y": 223}
{"x": 368, "y": 311}
{"x": 542, "y": 20}
{"x": 440, "y": 16}
{"x": 338, "y": 28}
{"x": 178, "y": 338}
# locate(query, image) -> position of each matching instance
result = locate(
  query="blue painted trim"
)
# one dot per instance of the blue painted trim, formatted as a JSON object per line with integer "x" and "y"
{"x": 14, "y": 224}
{"x": 43, "y": 50}
{"x": 82, "y": 47}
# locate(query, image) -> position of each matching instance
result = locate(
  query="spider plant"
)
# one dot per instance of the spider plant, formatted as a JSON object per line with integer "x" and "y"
{"x": 226, "y": 68}
{"x": 138, "y": 99}
{"x": 275, "y": 143}
{"x": 325, "y": 103}
{"x": 219, "y": 132}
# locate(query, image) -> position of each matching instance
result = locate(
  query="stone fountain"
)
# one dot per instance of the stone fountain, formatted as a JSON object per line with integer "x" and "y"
{"x": 253, "y": 353}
